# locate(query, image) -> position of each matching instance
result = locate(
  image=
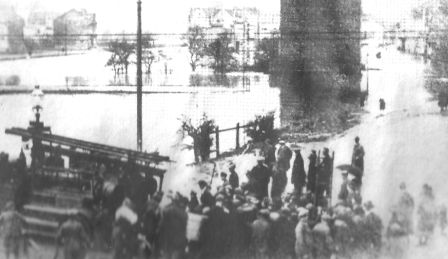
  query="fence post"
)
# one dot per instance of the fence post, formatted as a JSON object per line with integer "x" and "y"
{"x": 217, "y": 141}
{"x": 237, "y": 136}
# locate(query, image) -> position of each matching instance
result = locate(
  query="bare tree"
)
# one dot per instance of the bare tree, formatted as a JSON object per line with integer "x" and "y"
{"x": 148, "y": 53}
{"x": 196, "y": 45}
{"x": 148, "y": 57}
{"x": 121, "y": 52}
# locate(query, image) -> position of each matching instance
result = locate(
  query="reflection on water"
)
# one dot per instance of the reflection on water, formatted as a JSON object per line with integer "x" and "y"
{"x": 90, "y": 69}
{"x": 111, "y": 119}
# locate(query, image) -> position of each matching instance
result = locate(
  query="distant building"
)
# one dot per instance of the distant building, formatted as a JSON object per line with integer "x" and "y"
{"x": 246, "y": 25}
{"x": 40, "y": 23}
{"x": 75, "y": 29}
{"x": 40, "y": 27}
{"x": 11, "y": 31}
{"x": 415, "y": 35}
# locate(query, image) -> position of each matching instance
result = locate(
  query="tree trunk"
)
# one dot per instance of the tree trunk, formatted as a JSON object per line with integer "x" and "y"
{"x": 196, "y": 150}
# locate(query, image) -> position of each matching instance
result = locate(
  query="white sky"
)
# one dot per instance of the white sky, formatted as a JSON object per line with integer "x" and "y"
{"x": 171, "y": 15}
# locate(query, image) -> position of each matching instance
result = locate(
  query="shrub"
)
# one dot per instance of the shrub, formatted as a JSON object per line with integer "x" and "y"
{"x": 12, "y": 80}
{"x": 348, "y": 94}
{"x": 262, "y": 128}
{"x": 201, "y": 134}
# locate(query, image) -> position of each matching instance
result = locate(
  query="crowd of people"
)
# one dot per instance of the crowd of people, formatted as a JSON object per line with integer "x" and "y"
{"x": 256, "y": 218}
{"x": 241, "y": 219}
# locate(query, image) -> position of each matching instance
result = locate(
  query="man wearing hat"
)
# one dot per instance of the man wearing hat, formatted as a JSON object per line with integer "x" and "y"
{"x": 206, "y": 197}
{"x": 259, "y": 178}
{"x": 173, "y": 228}
{"x": 234, "y": 179}
{"x": 215, "y": 232}
{"x": 406, "y": 208}
{"x": 323, "y": 242}
{"x": 373, "y": 228}
{"x": 12, "y": 224}
{"x": 125, "y": 230}
{"x": 261, "y": 230}
{"x": 304, "y": 238}
{"x": 358, "y": 155}
{"x": 284, "y": 155}
{"x": 324, "y": 176}
{"x": 73, "y": 238}
{"x": 279, "y": 181}
{"x": 151, "y": 218}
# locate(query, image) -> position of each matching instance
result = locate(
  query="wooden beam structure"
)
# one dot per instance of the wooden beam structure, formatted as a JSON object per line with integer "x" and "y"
{"x": 91, "y": 148}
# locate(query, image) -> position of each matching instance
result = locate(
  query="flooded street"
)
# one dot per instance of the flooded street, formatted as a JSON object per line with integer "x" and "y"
{"x": 111, "y": 119}
{"x": 408, "y": 142}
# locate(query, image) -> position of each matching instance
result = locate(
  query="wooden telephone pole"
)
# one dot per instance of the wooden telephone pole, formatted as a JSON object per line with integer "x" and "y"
{"x": 139, "y": 75}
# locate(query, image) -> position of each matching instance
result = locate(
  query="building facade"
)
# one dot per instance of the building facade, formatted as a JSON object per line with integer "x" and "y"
{"x": 75, "y": 29}
{"x": 11, "y": 31}
{"x": 40, "y": 27}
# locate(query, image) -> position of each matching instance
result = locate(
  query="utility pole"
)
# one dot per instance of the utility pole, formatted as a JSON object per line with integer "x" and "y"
{"x": 244, "y": 55}
{"x": 139, "y": 75}
{"x": 367, "y": 70}
{"x": 65, "y": 38}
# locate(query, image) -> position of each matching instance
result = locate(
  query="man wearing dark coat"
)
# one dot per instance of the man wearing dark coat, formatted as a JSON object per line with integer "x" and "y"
{"x": 261, "y": 231}
{"x": 312, "y": 171}
{"x": 298, "y": 176}
{"x": 358, "y": 155}
{"x": 279, "y": 181}
{"x": 259, "y": 178}
{"x": 206, "y": 199}
{"x": 324, "y": 176}
{"x": 173, "y": 228}
{"x": 215, "y": 232}
{"x": 73, "y": 238}
{"x": 322, "y": 240}
{"x": 125, "y": 229}
{"x": 23, "y": 187}
{"x": 373, "y": 226}
{"x": 234, "y": 179}
{"x": 151, "y": 219}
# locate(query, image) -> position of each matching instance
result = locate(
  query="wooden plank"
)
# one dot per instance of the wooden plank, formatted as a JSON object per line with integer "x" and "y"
{"x": 102, "y": 158}
{"x": 115, "y": 151}
{"x": 234, "y": 128}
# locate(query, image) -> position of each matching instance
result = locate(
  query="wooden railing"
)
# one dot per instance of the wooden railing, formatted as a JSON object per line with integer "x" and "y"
{"x": 237, "y": 129}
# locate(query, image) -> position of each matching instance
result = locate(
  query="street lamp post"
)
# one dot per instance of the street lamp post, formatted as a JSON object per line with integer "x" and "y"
{"x": 367, "y": 70}
{"x": 139, "y": 75}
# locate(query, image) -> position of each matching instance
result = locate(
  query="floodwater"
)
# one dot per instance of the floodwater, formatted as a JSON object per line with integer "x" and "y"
{"x": 111, "y": 118}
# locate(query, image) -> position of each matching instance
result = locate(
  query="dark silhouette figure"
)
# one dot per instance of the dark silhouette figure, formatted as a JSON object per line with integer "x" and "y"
{"x": 298, "y": 176}
{"x": 312, "y": 170}
{"x": 382, "y": 104}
